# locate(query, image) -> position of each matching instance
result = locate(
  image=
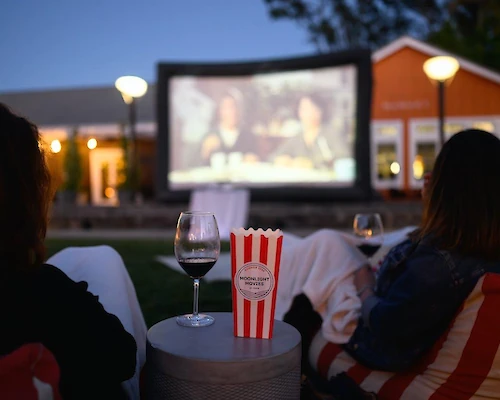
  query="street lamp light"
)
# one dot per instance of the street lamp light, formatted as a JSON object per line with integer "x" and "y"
{"x": 131, "y": 88}
{"x": 55, "y": 146}
{"x": 441, "y": 69}
{"x": 92, "y": 143}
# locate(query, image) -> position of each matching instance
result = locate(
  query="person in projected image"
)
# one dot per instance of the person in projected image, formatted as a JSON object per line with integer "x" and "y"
{"x": 227, "y": 142}
{"x": 314, "y": 146}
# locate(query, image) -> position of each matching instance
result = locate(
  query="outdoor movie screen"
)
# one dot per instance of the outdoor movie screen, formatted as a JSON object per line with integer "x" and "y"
{"x": 288, "y": 128}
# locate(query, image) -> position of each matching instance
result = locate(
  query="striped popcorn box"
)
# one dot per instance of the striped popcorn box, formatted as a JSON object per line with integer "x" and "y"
{"x": 255, "y": 266}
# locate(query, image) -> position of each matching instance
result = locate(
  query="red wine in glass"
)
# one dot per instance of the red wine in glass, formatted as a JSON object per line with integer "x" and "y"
{"x": 370, "y": 228}
{"x": 196, "y": 248}
{"x": 196, "y": 267}
{"x": 369, "y": 249}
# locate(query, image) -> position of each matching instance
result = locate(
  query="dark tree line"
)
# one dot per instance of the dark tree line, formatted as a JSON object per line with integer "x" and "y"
{"x": 470, "y": 28}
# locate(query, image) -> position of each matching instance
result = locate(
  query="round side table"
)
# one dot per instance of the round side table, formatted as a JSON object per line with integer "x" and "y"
{"x": 211, "y": 363}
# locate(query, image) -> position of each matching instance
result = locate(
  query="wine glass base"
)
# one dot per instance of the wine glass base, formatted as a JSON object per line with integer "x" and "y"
{"x": 195, "y": 321}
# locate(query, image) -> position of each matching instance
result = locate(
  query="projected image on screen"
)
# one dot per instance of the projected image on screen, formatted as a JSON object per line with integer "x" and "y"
{"x": 288, "y": 128}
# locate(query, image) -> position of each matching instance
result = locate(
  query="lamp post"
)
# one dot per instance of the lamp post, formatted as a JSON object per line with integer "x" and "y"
{"x": 131, "y": 88}
{"x": 441, "y": 69}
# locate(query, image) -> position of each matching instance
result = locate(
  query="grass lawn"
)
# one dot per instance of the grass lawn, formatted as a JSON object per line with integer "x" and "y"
{"x": 162, "y": 292}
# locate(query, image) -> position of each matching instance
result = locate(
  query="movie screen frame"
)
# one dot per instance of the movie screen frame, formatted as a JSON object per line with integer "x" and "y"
{"x": 360, "y": 189}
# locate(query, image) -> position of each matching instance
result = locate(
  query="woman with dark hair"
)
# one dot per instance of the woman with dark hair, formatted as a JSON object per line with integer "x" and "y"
{"x": 38, "y": 302}
{"x": 408, "y": 308}
{"x": 315, "y": 146}
{"x": 228, "y": 136}
{"x": 424, "y": 280}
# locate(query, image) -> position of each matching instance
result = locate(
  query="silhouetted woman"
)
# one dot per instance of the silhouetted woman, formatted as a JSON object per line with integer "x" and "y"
{"x": 423, "y": 281}
{"x": 38, "y": 302}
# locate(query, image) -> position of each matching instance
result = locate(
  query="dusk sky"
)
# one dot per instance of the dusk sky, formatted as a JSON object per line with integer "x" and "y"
{"x": 48, "y": 44}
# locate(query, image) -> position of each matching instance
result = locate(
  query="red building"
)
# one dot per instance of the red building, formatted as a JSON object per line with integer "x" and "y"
{"x": 404, "y": 130}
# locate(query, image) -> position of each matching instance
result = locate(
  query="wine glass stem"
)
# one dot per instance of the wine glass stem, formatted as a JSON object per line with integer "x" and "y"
{"x": 196, "y": 284}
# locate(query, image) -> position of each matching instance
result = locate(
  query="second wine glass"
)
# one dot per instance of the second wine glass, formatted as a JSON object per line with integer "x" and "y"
{"x": 197, "y": 248}
{"x": 370, "y": 228}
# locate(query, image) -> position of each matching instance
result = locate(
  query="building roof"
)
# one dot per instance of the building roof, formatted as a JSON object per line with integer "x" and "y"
{"x": 432, "y": 51}
{"x": 75, "y": 107}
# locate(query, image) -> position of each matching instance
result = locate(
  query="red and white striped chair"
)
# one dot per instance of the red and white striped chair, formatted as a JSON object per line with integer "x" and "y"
{"x": 463, "y": 364}
{"x": 29, "y": 373}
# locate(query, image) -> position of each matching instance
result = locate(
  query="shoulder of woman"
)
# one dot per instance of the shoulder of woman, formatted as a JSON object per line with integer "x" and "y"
{"x": 49, "y": 276}
{"x": 426, "y": 247}
{"x": 429, "y": 263}
{"x": 48, "y": 271}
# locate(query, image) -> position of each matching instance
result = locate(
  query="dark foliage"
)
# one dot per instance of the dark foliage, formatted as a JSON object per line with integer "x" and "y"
{"x": 470, "y": 28}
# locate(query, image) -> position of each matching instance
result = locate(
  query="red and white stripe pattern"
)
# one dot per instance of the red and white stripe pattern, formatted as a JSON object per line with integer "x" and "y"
{"x": 463, "y": 364}
{"x": 255, "y": 319}
{"x": 29, "y": 373}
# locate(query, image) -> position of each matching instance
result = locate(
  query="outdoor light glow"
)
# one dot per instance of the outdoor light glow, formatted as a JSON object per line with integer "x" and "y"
{"x": 441, "y": 68}
{"x": 395, "y": 168}
{"x": 109, "y": 192}
{"x": 418, "y": 167}
{"x": 92, "y": 143}
{"x": 131, "y": 86}
{"x": 55, "y": 146}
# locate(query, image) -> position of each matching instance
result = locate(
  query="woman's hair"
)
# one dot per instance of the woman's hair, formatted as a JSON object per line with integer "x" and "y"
{"x": 234, "y": 94}
{"x": 462, "y": 207}
{"x": 25, "y": 193}
{"x": 319, "y": 101}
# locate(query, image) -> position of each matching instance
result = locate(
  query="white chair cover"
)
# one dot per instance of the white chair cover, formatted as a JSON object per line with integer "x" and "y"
{"x": 230, "y": 206}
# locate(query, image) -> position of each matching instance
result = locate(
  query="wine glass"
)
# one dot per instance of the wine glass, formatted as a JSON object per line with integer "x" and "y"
{"x": 370, "y": 228}
{"x": 197, "y": 248}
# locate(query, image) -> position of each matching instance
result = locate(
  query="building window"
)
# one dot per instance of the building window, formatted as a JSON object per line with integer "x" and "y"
{"x": 424, "y": 159}
{"x": 387, "y": 165}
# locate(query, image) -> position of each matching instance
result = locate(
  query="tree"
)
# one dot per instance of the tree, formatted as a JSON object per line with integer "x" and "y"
{"x": 470, "y": 28}
{"x": 128, "y": 177}
{"x": 340, "y": 24}
{"x": 72, "y": 165}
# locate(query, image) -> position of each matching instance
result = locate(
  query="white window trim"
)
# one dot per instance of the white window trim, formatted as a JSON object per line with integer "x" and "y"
{"x": 397, "y": 140}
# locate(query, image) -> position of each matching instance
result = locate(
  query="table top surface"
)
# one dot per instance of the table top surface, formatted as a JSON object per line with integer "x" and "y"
{"x": 217, "y": 341}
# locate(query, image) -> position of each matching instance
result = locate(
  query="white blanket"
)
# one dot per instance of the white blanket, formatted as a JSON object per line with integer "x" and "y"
{"x": 104, "y": 271}
{"x": 321, "y": 266}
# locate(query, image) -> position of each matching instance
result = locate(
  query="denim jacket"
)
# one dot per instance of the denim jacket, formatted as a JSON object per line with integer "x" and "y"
{"x": 419, "y": 291}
